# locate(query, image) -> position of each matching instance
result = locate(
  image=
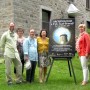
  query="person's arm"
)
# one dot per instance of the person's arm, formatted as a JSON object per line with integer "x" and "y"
{"x": 87, "y": 39}
{"x": 25, "y": 49}
{"x": 3, "y": 41}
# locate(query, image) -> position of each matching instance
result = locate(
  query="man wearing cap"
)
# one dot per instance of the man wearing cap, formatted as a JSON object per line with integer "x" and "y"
{"x": 9, "y": 44}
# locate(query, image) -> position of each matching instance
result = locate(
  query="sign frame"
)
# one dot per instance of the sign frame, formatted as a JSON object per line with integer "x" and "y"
{"x": 63, "y": 46}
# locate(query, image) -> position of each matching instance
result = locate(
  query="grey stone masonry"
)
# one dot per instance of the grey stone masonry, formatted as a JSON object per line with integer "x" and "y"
{"x": 28, "y": 13}
{"x": 6, "y": 14}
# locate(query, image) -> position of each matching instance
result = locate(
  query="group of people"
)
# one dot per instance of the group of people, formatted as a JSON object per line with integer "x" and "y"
{"x": 19, "y": 50}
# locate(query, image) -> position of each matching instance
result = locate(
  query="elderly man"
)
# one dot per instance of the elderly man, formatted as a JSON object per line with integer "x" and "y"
{"x": 30, "y": 53}
{"x": 9, "y": 44}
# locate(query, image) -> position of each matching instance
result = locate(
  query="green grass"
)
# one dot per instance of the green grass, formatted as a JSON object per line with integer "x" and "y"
{"x": 59, "y": 78}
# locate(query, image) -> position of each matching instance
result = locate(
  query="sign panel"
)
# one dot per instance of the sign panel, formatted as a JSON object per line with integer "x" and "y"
{"x": 62, "y": 38}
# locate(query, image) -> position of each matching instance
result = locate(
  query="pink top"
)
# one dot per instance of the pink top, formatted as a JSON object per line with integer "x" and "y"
{"x": 83, "y": 44}
{"x": 21, "y": 39}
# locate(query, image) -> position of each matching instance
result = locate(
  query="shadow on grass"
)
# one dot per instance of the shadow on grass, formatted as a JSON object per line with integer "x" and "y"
{"x": 61, "y": 81}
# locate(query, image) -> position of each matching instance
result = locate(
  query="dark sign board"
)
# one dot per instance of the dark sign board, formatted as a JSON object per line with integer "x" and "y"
{"x": 62, "y": 38}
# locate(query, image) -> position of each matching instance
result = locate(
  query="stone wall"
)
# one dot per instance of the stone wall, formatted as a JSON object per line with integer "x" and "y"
{"x": 6, "y": 14}
{"x": 27, "y": 13}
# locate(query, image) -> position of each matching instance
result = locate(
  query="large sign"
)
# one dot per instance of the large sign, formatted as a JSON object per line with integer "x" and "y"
{"x": 62, "y": 38}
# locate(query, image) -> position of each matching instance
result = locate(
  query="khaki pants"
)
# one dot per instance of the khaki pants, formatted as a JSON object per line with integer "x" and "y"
{"x": 18, "y": 66}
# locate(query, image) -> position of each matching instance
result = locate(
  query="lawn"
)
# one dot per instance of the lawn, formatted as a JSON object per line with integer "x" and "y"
{"x": 59, "y": 78}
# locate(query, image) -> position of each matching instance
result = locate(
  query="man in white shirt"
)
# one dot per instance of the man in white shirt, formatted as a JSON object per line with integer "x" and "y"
{"x": 9, "y": 44}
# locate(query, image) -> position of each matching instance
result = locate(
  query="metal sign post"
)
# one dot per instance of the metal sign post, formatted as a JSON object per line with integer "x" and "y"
{"x": 70, "y": 67}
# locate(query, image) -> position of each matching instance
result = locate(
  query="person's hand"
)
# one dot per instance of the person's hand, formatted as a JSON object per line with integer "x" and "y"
{"x": 87, "y": 55}
{"x": 26, "y": 57}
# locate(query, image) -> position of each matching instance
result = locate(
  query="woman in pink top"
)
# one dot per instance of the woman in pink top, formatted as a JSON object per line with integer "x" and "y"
{"x": 82, "y": 47}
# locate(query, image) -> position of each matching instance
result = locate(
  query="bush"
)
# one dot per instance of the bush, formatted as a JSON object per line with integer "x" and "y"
{"x": 88, "y": 30}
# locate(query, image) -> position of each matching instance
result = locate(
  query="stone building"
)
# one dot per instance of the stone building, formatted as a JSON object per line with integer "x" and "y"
{"x": 38, "y": 13}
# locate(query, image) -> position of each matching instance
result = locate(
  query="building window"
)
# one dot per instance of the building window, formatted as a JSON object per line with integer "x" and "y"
{"x": 71, "y": 0}
{"x": 71, "y": 16}
{"x": 88, "y": 4}
{"x": 45, "y": 19}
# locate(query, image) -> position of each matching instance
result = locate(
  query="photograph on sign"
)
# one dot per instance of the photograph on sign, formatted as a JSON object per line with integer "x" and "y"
{"x": 61, "y": 35}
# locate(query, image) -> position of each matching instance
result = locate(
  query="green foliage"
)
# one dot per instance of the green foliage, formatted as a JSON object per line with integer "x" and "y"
{"x": 88, "y": 30}
{"x": 59, "y": 78}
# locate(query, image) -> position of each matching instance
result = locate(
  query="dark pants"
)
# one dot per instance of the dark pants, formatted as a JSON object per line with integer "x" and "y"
{"x": 31, "y": 72}
{"x": 22, "y": 61}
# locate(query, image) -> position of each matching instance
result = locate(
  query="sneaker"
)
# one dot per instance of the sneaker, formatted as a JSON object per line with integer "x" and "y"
{"x": 18, "y": 82}
{"x": 9, "y": 83}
